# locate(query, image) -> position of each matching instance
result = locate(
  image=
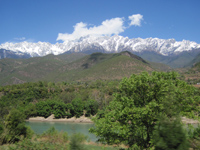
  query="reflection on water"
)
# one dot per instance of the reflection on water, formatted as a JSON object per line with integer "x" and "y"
{"x": 40, "y": 127}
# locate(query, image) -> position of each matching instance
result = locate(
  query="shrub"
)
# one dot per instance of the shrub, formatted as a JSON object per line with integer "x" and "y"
{"x": 91, "y": 107}
{"x": 14, "y": 128}
{"x": 53, "y": 136}
{"x": 78, "y": 106}
{"x": 170, "y": 135}
{"x": 194, "y": 137}
{"x": 76, "y": 141}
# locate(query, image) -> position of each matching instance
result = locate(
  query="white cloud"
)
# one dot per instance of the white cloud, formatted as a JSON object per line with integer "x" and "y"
{"x": 136, "y": 19}
{"x": 107, "y": 28}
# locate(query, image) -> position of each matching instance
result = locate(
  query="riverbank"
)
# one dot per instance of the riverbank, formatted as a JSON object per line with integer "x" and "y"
{"x": 189, "y": 121}
{"x": 84, "y": 119}
{"x": 51, "y": 118}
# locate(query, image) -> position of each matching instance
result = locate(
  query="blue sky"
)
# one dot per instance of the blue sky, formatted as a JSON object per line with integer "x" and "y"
{"x": 55, "y": 20}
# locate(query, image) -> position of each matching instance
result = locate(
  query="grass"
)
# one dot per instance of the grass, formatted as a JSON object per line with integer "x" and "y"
{"x": 30, "y": 145}
{"x": 100, "y": 147}
{"x": 41, "y": 144}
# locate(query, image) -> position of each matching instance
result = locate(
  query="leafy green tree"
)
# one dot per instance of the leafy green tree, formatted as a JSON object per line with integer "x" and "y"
{"x": 30, "y": 110}
{"x": 14, "y": 128}
{"x": 169, "y": 134}
{"x": 43, "y": 109}
{"x": 130, "y": 118}
{"x": 70, "y": 109}
{"x": 91, "y": 107}
{"x": 59, "y": 110}
{"x": 78, "y": 107}
{"x": 46, "y": 108}
{"x": 1, "y": 128}
{"x": 194, "y": 137}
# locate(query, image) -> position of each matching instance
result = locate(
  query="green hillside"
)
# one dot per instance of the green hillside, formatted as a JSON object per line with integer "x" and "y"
{"x": 14, "y": 71}
{"x": 74, "y": 67}
{"x": 177, "y": 61}
{"x": 194, "y": 61}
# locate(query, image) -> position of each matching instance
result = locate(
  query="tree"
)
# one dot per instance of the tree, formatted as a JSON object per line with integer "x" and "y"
{"x": 170, "y": 135}
{"x": 78, "y": 106}
{"x": 48, "y": 107}
{"x": 30, "y": 110}
{"x": 43, "y": 109}
{"x": 14, "y": 128}
{"x": 130, "y": 118}
{"x": 91, "y": 107}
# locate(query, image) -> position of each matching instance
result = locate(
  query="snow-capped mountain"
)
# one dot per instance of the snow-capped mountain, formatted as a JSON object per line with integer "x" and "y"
{"x": 114, "y": 43}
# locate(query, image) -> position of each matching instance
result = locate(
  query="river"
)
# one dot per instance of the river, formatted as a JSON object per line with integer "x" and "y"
{"x": 70, "y": 128}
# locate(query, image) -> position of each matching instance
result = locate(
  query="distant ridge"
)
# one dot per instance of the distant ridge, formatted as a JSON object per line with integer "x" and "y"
{"x": 113, "y": 44}
{"x": 72, "y": 67}
{"x": 170, "y": 51}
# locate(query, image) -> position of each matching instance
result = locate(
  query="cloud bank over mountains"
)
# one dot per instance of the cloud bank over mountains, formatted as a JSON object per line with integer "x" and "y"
{"x": 108, "y": 27}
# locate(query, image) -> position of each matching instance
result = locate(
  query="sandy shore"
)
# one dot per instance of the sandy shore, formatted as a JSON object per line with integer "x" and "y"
{"x": 84, "y": 119}
{"x": 189, "y": 121}
{"x": 51, "y": 118}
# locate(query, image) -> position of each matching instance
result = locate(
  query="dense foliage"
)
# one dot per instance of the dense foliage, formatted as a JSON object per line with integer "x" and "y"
{"x": 128, "y": 113}
{"x": 13, "y": 128}
{"x": 131, "y": 117}
{"x": 19, "y": 102}
{"x": 61, "y": 99}
{"x": 46, "y": 108}
{"x": 170, "y": 134}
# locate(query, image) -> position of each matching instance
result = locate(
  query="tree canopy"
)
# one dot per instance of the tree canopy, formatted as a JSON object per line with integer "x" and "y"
{"x": 131, "y": 117}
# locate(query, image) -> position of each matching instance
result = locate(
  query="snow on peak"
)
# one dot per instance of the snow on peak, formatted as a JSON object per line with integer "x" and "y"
{"x": 114, "y": 43}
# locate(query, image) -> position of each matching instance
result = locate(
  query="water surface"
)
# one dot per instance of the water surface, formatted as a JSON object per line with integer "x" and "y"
{"x": 70, "y": 128}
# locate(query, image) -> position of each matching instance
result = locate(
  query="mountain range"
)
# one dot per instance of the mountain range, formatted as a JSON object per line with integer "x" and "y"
{"x": 168, "y": 51}
{"x": 74, "y": 67}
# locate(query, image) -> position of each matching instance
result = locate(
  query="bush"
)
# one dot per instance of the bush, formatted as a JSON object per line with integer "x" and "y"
{"x": 194, "y": 137}
{"x": 28, "y": 144}
{"x": 78, "y": 106}
{"x": 69, "y": 115}
{"x": 91, "y": 107}
{"x": 76, "y": 141}
{"x": 53, "y": 136}
{"x": 1, "y": 129}
{"x": 14, "y": 128}
{"x": 46, "y": 108}
{"x": 170, "y": 135}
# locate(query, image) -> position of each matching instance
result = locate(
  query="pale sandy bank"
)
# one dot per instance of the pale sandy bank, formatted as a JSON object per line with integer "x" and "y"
{"x": 82, "y": 119}
{"x": 189, "y": 121}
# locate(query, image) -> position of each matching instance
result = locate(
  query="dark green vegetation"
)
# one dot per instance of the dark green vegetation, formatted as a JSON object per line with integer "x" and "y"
{"x": 135, "y": 110}
{"x": 132, "y": 116}
{"x": 21, "y": 101}
{"x": 130, "y": 113}
{"x": 13, "y": 128}
{"x": 170, "y": 134}
{"x": 73, "y": 67}
{"x": 61, "y": 99}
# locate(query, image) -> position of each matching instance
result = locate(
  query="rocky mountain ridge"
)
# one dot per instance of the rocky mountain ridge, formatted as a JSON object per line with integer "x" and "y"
{"x": 113, "y": 44}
